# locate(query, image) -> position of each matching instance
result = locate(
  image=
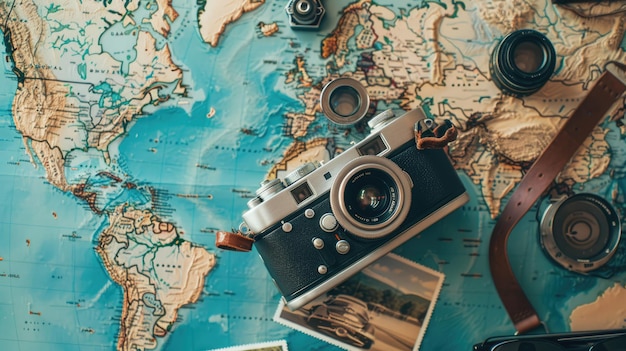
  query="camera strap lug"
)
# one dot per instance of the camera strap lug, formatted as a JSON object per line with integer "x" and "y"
{"x": 429, "y": 135}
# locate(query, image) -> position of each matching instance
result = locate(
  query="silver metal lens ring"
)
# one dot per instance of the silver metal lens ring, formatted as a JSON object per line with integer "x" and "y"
{"x": 344, "y": 101}
{"x": 371, "y": 197}
{"x": 581, "y": 233}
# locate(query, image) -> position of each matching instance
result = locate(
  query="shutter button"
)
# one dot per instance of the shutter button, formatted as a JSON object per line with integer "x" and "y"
{"x": 318, "y": 243}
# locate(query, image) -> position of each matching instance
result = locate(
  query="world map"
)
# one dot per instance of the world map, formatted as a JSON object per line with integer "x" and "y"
{"x": 130, "y": 132}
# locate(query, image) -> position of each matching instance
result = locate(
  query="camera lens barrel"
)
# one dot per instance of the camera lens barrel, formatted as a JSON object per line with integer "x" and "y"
{"x": 581, "y": 233}
{"x": 344, "y": 101}
{"x": 371, "y": 197}
{"x": 522, "y": 62}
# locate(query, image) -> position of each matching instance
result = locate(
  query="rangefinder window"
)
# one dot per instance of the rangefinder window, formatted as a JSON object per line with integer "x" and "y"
{"x": 373, "y": 147}
{"x": 302, "y": 192}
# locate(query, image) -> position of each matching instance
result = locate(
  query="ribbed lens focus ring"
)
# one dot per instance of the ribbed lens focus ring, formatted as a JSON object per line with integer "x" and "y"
{"x": 522, "y": 62}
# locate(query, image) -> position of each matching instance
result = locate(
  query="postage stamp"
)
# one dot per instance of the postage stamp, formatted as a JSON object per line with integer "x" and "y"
{"x": 279, "y": 345}
{"x": 385, "y": 307}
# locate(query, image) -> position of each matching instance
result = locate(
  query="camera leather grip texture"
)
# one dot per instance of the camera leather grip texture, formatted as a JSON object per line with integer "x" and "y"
{"x": 291, "y": 258}
{"x": 537, "y": 180}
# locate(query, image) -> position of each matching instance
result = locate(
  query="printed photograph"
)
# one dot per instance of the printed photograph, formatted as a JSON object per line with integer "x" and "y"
{"x": 279, "y": 345}
{"x": 385, "y": 307}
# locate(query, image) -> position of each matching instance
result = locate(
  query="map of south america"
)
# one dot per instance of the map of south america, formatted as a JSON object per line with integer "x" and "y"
{"x": 160, "y": 272}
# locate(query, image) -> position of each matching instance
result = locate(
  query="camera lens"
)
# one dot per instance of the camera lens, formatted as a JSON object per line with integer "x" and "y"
{"x": 581, "y": 232}
{"x": 371, "y": 197}
{"x": 344, "y": 101}
{"x": 522, "y": 62}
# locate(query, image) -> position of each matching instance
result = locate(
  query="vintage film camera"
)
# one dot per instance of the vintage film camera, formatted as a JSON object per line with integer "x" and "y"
{"x": 320, "y": 225}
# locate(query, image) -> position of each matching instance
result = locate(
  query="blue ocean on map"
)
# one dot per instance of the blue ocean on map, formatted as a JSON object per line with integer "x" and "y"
{"x": 64, "y": 280}
{"x": 203, "y": 156}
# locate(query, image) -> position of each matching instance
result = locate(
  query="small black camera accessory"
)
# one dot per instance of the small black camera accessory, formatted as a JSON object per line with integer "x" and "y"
{"x": 607, "y": 90}
{"x": 581, "y": 232}
{"x": 522, "y": 62}
{"x": 344, "y": 101}
{"x": 305, "y": 14}
{"x": 600, "y": 340}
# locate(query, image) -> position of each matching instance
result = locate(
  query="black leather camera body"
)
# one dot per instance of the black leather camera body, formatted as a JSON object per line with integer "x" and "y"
{"x": 321, "y": 225}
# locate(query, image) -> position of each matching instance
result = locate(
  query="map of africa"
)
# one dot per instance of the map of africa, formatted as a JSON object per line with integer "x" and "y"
{"x": 130, "y": 132}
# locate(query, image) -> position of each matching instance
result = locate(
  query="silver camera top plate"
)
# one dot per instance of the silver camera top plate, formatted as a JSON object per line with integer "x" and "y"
{"x": 380, "y": 142}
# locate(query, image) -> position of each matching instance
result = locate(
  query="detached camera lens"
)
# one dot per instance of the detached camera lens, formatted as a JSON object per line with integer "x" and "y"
{"x": 522, "y": 62}
{"x": 581, "y": 232}
{"x": 344, "y": 101}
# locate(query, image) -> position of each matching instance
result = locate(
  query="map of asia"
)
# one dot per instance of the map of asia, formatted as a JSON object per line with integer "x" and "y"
{"x": 132, "y": 131}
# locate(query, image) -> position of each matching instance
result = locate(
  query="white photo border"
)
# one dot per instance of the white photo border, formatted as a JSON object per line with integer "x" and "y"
{"x": 255, "y": 346}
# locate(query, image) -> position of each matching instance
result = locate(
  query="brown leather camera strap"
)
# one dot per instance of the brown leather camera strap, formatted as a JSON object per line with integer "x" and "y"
{"x": 233, "y": 241}
{"x": 541, "y": 174}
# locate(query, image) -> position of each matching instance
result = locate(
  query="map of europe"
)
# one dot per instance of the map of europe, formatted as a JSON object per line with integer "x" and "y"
{"x": 131, "y": 131}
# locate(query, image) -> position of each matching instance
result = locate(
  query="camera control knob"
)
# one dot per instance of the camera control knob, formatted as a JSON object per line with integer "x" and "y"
{"x": 299, "y": 172}
{"x": 254, "y": 202}
{"x": 342, "y": 247}
{"x": 287, "y": 227}
{"x": 328, "y": 222}
{"x": 309, "y": 213}
{"x": 269, "y": 188}
{"x": 318, "y": 243}
{"x": 322, "y": 269}
{"x": 381, "y": 119}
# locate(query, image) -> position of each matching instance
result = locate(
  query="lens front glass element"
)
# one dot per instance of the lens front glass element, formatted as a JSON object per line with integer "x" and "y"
{"x": 582, "y": 230}
{"x": 345, "y": 101}
{"x": 371, "y": 196}
{"x": 303, "y": 7}
{"x": 528, "y": 56}
{"x": 522, "y": 62}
